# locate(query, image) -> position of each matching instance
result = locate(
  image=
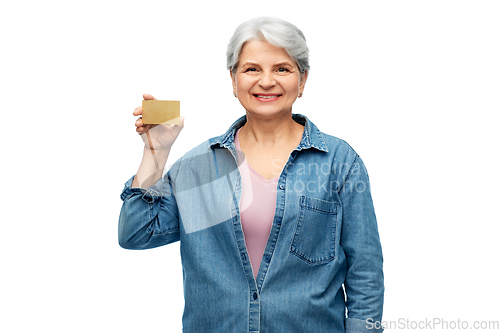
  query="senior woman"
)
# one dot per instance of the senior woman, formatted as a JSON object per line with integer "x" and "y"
{"x": 275, "y": 218}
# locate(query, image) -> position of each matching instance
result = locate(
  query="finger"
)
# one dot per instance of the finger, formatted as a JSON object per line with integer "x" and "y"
{"x": 139, "y": 123}
{"x": 144, "y": 129}
{"x": 148, "y": 96}
{"x": 138, "y": 111}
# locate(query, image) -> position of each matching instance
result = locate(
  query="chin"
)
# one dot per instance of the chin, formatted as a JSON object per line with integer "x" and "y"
{"x": 267, "y": 112}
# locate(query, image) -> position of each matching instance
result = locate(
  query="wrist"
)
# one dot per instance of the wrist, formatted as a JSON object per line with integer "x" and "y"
{"x": 157, "y": 151}
{"x": 158, "y": 156}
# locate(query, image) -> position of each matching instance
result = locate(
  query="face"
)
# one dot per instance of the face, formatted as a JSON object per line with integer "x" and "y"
{"x": 267, "y": 81}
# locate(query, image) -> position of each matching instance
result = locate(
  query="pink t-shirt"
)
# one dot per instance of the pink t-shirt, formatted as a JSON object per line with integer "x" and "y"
{"x": 257, "y": 206}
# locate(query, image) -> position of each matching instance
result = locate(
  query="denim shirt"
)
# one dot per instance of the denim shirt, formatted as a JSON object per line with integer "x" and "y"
{"x": 323, "y": 255}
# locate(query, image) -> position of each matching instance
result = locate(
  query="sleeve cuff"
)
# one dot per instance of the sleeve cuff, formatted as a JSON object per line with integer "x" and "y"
{"x": 149, "y": 195}
{"x": 353, "y": 325}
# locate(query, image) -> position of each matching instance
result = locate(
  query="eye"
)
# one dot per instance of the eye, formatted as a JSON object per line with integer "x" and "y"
{"x": 251, "y": 69}
{"x": 283, "y": 70}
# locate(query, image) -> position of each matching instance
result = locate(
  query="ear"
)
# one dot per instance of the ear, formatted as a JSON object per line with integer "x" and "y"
{"x": 302, "y": 83}
{"x": 233, "y": 79}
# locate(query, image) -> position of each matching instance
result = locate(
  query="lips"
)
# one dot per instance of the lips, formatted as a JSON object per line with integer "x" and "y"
{"x": 266, "y": 97}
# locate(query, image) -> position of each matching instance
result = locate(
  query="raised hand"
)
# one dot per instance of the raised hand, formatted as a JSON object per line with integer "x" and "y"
{"x": 157, "y": 137}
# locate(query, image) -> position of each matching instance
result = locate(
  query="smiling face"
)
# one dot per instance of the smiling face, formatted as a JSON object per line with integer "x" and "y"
{"x": 267, "y": 81}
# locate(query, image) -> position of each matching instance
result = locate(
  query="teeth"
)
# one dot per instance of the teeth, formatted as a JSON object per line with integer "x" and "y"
{"x": 267, "y": 96}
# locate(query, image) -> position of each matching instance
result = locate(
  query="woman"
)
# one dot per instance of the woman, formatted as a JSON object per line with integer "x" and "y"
{"x": 275, "y": 218}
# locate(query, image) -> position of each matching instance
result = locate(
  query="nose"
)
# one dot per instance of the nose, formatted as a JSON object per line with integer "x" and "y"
{"x": 267, "y": 80}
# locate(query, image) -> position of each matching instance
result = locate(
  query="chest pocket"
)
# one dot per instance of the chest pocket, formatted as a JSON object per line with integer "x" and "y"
{"x": 314, "y": 237}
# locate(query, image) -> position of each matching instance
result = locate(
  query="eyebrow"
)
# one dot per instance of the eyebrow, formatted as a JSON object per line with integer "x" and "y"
{"x": 249, "y": 64}
{"x": 284, "y": 63}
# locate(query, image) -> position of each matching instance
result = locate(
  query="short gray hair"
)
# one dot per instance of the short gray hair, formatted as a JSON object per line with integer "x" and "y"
{"x": 276, "y": 32}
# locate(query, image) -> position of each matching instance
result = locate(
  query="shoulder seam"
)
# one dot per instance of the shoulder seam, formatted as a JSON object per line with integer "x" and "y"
{"x": 349, "y": 173}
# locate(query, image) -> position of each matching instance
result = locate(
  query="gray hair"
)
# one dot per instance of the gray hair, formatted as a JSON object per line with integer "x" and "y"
{"x": 276, "y": 32}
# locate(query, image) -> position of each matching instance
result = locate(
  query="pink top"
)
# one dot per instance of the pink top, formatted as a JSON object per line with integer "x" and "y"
{"x": 257, "y": 206}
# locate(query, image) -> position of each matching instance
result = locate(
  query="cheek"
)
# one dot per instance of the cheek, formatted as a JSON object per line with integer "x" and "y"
{"x": 293, "y": 86}
{"x": 244, "y": 84}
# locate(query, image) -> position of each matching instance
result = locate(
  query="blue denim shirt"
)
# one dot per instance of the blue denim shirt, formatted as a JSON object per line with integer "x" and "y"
{"x": 323, "y": 255}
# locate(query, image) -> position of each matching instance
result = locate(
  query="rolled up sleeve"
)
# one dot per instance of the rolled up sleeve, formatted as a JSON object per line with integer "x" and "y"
{"x": 149, "y": 217}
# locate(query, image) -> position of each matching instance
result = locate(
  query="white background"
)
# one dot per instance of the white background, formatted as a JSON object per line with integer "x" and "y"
{"x": 413, "y": 86}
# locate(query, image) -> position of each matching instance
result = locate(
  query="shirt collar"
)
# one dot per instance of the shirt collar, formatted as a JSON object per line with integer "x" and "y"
{"x": 312, "y": 137}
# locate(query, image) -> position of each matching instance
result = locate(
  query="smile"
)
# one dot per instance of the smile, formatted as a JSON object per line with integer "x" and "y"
{"x": 266, "y": 97}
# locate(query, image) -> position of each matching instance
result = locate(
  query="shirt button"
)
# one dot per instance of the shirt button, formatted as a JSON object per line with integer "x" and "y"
{"x": 268, "y": 258}
{"x": 254, "y": 296}
{"x": 282, "y": 186}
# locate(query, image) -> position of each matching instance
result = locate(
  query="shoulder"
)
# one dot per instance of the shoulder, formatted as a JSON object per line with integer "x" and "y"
{"x": 343, "y": 158}
{"x": 339, "y": 147}
{"x": 334, "y": 147}
{"x": 322, "y": 142}
{"x": 195, "y": 156}
{"x": 206, "y": 158}
{"x": 341, "y": 155}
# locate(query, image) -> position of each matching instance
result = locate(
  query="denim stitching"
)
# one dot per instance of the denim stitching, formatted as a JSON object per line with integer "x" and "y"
{"x": 295, "y": 243}
{"x": 349, "y": 173}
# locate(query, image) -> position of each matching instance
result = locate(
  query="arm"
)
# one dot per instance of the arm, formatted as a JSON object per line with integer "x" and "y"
{"x": 158, "y": 139}
{"x": 364, "y": 284}
{"x": 151, "y": 167}
{"x": 149, "y": 215}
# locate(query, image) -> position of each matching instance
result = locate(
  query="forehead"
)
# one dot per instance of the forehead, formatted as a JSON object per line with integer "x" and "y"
{"x": 259, "y": 51}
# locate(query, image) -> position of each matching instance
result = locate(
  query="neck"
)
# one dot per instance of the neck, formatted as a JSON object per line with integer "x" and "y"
{"x": 270, "y": 131}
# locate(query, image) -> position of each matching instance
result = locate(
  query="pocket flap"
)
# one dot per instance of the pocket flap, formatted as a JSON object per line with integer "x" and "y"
{"x": 319, "y": 205}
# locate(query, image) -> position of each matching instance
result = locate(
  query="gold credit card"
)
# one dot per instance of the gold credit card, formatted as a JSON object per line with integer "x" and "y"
{"x": 160, "y": 112}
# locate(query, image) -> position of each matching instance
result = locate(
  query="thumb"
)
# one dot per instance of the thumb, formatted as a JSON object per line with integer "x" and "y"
{"x": 181, "y": 121}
